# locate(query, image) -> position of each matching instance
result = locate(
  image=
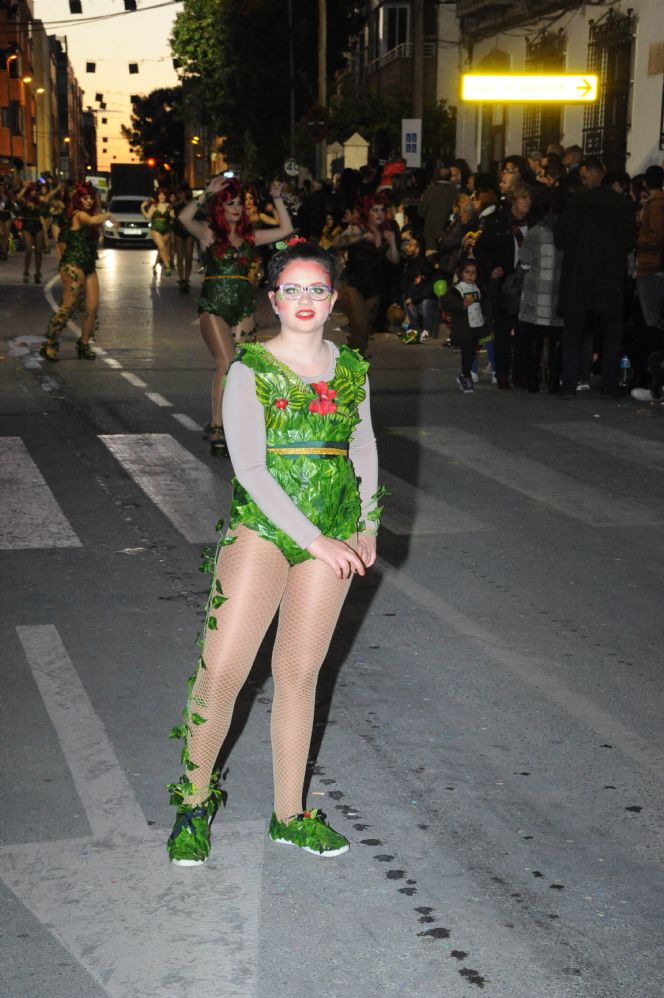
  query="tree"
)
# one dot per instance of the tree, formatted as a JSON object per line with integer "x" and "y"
{"x": 375, "y": 114}
{"x": 439, "y": 130}
{"x": 157, "y": 127}
{"x": 234, "y": 57}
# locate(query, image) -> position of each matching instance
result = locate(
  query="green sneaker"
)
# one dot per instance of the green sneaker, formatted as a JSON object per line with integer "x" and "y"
{"x": 309, "y": 831}
{"x": 189, "y": 842}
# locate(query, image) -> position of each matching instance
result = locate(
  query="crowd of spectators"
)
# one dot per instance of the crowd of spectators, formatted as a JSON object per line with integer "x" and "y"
{"x": 552, "y": 264}
{"x": 550, "y": 267}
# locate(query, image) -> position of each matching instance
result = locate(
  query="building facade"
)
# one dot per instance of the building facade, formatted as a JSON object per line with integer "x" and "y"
{"x": 18, "y": 152}
{"x": 41, "y": 119}
{"x": 394, "y": 50}
{"x": 44, "y": 88}
{"x": 89, "y": 140}
{"x": 71, "y": 152}
{"x": 621, "y": 41}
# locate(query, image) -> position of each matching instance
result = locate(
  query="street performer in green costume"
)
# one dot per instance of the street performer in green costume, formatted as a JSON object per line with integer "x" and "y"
{"x": 304, "y": 517}
{"x": 78, "y": 273}
{"x": 228, "y": 302}
{"x": 161, "y": 216}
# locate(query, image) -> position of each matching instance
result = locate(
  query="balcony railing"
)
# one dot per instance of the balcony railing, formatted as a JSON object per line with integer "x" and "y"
{"x": 403, "y": 51}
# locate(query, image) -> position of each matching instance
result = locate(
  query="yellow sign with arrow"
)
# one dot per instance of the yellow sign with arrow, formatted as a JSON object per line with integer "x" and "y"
{"x": 561, "y": 88}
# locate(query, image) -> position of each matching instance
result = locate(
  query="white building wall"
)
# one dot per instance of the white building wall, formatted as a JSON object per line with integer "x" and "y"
{"x": 646, "y": 100}
{"x": 643, "y": 143}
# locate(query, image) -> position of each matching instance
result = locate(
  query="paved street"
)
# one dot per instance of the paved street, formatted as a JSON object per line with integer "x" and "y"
{"x": 490, "y": 731}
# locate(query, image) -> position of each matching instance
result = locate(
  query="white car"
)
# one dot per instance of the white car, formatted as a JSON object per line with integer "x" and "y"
{"x": 130, "y": 226}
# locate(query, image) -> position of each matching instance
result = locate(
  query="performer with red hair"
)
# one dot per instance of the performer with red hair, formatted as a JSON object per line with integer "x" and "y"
{"x": 371, "y": 247}
{"x": 161, "y": 216}
{"x": 29, "y": 200}
{"x": 227, "y": 303}
{"x": 78, "y": 272}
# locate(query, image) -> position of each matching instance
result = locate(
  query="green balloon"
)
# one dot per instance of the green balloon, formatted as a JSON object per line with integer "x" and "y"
{"x": 440, "y": 288}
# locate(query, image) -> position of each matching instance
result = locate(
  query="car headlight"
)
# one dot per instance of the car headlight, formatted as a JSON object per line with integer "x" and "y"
{"x": 108, "y": 224}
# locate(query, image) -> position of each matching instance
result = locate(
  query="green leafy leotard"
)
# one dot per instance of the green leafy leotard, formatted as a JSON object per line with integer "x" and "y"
{"x": 161, "y": 221}
{"x": 308, "y": 429}
{"x": 80, "y": 249}
{"x": 227, "y": 291}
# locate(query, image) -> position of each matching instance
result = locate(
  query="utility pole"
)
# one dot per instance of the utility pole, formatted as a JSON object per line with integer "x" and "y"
{"x": 418, "y": 57}
{"x": 322, "y": 79}
{"x": 291, "y": 67}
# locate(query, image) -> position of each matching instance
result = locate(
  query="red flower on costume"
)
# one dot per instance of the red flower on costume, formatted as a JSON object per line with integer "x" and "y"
{"x": 281, "y": 403}
{"x": 323, "y": 405}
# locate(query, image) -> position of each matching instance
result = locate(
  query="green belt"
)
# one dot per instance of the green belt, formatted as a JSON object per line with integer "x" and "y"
{"x": 225, "y": 277}
{"x": 311, "y": 448}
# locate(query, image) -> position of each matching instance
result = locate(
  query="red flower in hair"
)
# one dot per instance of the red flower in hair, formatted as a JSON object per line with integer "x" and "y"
{"x": 323, "y": 405}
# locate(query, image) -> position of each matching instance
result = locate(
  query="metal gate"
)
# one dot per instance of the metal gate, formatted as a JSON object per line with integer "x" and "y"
{"x": 607, "y": 121}
{"x": 541, "y": 122}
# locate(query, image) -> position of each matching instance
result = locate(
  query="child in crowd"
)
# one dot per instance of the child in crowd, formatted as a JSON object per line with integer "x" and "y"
{"x": 469, "y": 310}
{"x": 418, "y": 275}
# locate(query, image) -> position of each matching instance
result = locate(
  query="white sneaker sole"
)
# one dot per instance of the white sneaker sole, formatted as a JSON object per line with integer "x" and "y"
{"x": 323, "y": 855}
{"x": 188, "y": 862}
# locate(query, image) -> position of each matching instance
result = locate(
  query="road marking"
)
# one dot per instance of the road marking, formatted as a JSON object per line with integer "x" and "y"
{"x": 112, "y": 362}
{"x": 553, "y": 489}
{"x": 535, "y": 671}
{"x": 31, "y": 516}
{"x": 184, "y": 489}
{"x": 412, "y": 512}
{"x": 159, "y": 400}
{"x": 133, "y": 379}
{"x": 137, "y": 925}
{"x": 187, "y": 421}
{"x": 618, "y": 443}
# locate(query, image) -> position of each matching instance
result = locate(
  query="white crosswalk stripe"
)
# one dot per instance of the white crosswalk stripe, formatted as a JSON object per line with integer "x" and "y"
{"x": 617, "y": 443}
{"x": 30, "y": 516}
{"x": 553, "y": 489}
{"x": 189, "y": 494}
{"x": 193, "y": 497}
{"x": 111, "y": 897}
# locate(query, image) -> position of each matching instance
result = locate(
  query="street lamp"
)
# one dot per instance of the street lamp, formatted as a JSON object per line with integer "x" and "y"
{"x": 66, "y": 139}
{"x": 26, "y": 79}
{"x": 40, "y": 90}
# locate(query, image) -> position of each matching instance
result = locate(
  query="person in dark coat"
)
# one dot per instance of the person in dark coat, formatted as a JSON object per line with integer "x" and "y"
{"x": 595, "y": 232}
{"x": 436, "y": 207}
{"x": 497, "y": 254}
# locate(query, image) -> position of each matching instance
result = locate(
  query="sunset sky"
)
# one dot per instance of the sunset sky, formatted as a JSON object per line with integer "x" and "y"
{"x": 113, "y": 43}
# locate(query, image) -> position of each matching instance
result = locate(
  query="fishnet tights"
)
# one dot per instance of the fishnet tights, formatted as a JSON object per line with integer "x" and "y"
{"x": 257, "y": 580}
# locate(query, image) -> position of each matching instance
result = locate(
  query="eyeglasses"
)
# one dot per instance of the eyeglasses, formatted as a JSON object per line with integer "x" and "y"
{"x": 293, "y": 292}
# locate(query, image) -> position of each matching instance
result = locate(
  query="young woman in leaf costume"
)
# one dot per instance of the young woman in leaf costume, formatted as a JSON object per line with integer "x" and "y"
{"x": 78, "y": 273}
{"x": 227, "y": 303}
{"x": 303, "y": 521}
